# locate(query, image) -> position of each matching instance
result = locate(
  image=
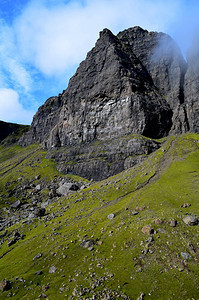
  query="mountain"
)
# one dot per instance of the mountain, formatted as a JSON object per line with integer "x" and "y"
{"x": 99, "y": 199}
{"x": 11, "y": 132}
{"x": 134, "y": 83}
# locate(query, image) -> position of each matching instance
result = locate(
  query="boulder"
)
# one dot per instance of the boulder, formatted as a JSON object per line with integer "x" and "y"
{"x": 5, "y": 285}
{"x": 65, "y": 188}
{"x": 190, "y": 220}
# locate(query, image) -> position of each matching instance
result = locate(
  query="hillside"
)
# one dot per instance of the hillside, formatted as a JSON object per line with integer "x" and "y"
{"x": 10, "y": 132}
{"x": 131, "y": 236}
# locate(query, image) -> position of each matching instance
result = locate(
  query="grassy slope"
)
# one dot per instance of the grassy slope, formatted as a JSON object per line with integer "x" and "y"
{"x": 161, "y": 184}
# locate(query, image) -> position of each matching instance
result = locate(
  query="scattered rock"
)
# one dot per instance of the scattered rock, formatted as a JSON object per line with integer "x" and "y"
{"x": 159, "y": 221}
{"x": 65, "y": 188}
{"x": 147, "y": 230}
{"x": 161, "y": 230}
{"x": 5, "y": 285}
{"x": 91, "y": 248}
{"x": 141, "y": 297}
{"x": 38, "y": 273}
{"x": 40, "y": 212}
{"x": 87, "y": 244}
{"x": 37, "y": 256}
{"x": 16, "y": 204}
{"x": 45, "y": 287}
{"x": 99, "y": 243}
{"x": 38, "y": 187}
{"x": 190, "y": 220}
{"x": 185, "y": 205}
{"x": 141, "y": 208}
{"x": 134, "y": 212}
{"x": 111, "y": 216}
{"x": 185, "y": 255}
{"x": 173, "y": 223}
{"x": 52, "y": 269}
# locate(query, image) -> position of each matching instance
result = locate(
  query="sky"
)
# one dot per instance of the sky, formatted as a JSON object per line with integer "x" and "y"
{"x": 42, "y": 42}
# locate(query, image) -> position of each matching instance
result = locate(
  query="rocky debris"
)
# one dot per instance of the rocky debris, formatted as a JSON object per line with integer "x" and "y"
{"x": 5, "y": 285}
{"x": 37, "y": 212}
{"x": 111, "y": 216}
{"x": 190, "y": 220}
{"x": 15, "y": 237}
{"x": 147, "y": 230}
{"x": 52, "y": 269}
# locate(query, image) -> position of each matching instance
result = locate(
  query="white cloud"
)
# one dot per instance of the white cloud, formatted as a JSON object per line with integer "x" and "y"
{"x": 54, "y": 37}
{"x": 11, "y": 62}
{"x": 11, "y": 110}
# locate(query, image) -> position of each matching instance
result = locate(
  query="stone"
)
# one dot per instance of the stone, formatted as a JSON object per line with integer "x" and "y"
{"x": 40, "y": 212}
{"x": 134, "y": 212}
{"x": 185, "y": 255}
{"x": 38, "y": 273}
{"x": 52, "y": 269}
{"x": 38, "y": 187}
{"x": 141, "y": 297}
{"x": 159, "y": 221}
{"x": 111, "y": 216}
{"x": 190, "y": 220}
{"x": 5, "y": 285}
{"x": 173, "y": 223}
{"x": 39, "y": 255}
{"x": 161, "y": 230}
{"x": 185, "y": 205}
{"x": 87, "y": 244}
{"x": 16, "y": 204}
{"x": 45, "y": 287}
{"x": 147, "y": 230}
{"x": 65, "y": 188}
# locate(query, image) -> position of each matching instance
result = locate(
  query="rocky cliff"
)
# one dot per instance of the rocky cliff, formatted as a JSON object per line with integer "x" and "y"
{"x": 134, "y": 83}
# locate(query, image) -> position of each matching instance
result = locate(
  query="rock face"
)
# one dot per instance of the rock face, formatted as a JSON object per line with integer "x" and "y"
{"x": 134, "y": 83}
{"x": 112, "y": 94}
{"x": 191, "y": 87}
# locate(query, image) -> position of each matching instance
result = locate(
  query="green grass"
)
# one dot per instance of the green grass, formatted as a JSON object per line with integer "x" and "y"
{"x": 160, "y": 184}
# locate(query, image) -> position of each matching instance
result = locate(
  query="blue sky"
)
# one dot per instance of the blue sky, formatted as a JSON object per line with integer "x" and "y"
{"x": 42, "y": 42}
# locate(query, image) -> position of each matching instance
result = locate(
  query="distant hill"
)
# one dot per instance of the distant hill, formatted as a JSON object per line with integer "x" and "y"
{"x": 11, "y": 132}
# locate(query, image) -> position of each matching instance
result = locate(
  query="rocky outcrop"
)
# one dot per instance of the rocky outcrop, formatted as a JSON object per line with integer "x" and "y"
{"x": 191, "y": 87}
{"x": 43, "y": 122}
{"x": 111, "y": 94}
{"x": 100, "y": 159}
{"x": 134, "y": 83}
{"x": 166, "y": 66}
